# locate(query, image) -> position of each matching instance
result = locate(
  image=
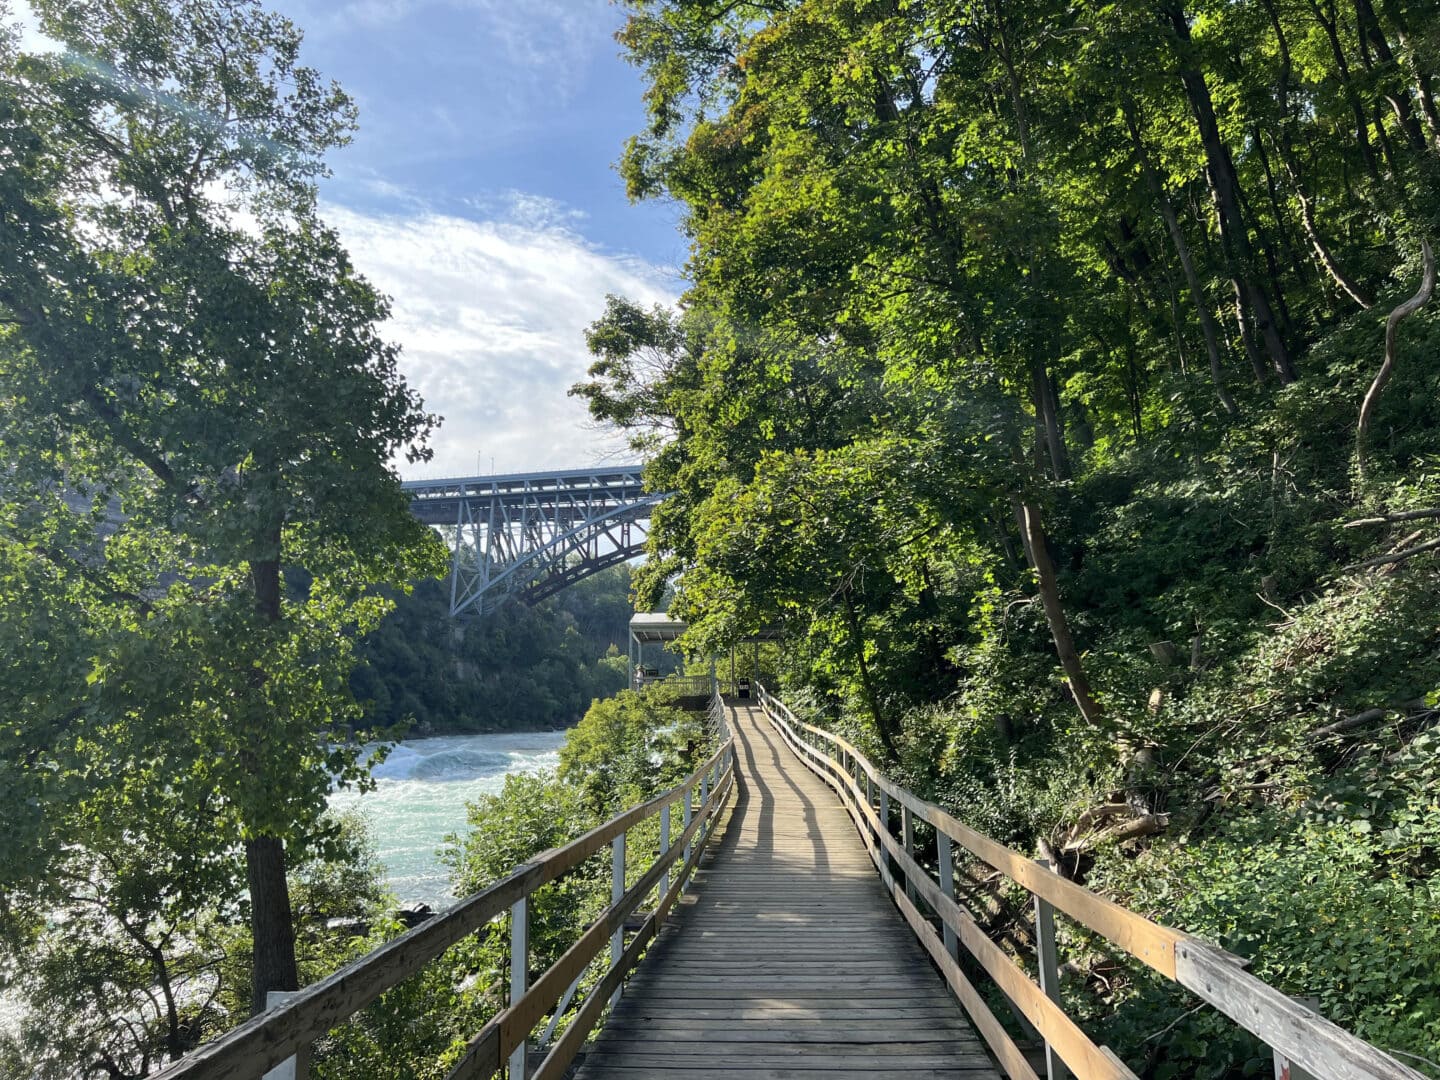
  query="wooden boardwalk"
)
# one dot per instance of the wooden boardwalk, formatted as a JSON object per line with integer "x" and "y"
{"x": 786, "y": 958}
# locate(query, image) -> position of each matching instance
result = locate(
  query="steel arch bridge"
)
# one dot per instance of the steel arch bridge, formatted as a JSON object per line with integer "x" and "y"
{"x": 528, "y": 535}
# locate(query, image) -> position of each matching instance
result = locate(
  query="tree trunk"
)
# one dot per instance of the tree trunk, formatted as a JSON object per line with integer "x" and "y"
{"x": 1287, "y": 240}
{"x": 271, "y": 925}
{"x": 1332, "y": 266}
{"x": 1286, "y": 146}
{"x": 883, "y": 728}
{"x": 1342, "y": 69}
{"x": 1225, "y": 191}
{"x": 1027, "y": 516}
{"x": 1423, "y": 89}
{"x": 1387, "y": 367}
{"x": 1047, "y": 413}
{"x": 1368, "y": 24}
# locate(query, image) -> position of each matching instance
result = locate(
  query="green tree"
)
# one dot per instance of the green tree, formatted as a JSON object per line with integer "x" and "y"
{"x": 197, "y": 397}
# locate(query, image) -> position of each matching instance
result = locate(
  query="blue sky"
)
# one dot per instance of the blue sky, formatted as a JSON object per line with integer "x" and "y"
{"x": 465, "y": 104}
{"x": 480, "y": 194}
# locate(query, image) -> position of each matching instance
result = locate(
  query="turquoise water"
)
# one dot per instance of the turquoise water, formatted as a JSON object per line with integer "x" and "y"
{"x": 420, "y": 797}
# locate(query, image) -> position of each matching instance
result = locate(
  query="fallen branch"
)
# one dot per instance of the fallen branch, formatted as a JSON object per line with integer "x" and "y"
{"x": 1387, "y": 367}
{"x": 1388, "y": 519}
{"x": 1399, "y": 556}
{"x": 1339, "y": 727}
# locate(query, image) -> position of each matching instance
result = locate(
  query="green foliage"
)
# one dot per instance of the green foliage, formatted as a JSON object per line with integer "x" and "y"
{"x": 627, "y": 748}
{"x": 196, "y": 396}
{"x": 520, "y": 668}
{"x": 1021, "y": 365}
{"x": 139, "y": 939}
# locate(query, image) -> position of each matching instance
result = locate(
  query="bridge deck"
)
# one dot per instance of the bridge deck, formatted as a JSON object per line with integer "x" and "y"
{"x": 786, "y": 960}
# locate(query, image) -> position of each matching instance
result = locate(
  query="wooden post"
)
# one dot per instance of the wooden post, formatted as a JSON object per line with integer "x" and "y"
{"x": 664, "y": 847}
{"x": 617, "y": 891}
{"x": 1048, "y": 963}
{"x": 292, "y": 1068}
{"x": 519, "y": 974}
{"x": 885, "y": 873}
{"x": 685, "y": 822}
{"x": 1285, "y": 1069}
{"x": 907, "y": 834}
{"x": 947, "y": 886}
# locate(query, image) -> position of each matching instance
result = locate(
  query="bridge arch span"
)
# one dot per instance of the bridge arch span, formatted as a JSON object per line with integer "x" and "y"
{"x": 529, "y": 535}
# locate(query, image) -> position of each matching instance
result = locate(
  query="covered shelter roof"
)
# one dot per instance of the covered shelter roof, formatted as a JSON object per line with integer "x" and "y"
{"x": 651, "y": 626}
{"x": 656, "y": 626}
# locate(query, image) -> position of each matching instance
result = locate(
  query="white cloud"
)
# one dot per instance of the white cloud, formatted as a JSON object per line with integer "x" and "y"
{"x": 491, "y": 315}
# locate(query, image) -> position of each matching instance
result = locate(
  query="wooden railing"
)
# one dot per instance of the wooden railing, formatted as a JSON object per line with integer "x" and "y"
{"x": 1298, "y": 1034}
{"x": 286, "y": 1031}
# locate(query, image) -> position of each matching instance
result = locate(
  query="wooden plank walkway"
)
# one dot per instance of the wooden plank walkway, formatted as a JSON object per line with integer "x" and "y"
{"x": 786, "y": 959}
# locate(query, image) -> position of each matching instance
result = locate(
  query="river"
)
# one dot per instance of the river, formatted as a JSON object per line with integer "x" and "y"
{"x": 420, "y": 796}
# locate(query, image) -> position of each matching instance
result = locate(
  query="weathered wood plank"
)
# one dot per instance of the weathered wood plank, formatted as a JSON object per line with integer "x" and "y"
{"x": 787, "y": 959}
{"x": 1300, "y": 1033}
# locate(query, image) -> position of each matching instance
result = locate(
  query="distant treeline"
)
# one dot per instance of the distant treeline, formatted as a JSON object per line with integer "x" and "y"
{"x": 516, "y": 668}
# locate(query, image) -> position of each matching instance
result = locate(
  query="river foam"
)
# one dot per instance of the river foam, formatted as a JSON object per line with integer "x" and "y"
{"x": 421, "y": 792}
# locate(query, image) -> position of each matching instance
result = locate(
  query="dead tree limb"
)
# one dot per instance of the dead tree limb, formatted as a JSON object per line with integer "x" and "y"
{"x": 1387, "y": 367}
{"x": 1399, "y": 556}
{"x": 1388, "y": 519}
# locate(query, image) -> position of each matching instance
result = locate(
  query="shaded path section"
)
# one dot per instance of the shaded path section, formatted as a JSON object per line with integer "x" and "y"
{"x": 786, "y": 959}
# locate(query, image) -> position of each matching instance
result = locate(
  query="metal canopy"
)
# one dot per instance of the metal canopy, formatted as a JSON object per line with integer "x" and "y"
{"x": 655, "y": 626}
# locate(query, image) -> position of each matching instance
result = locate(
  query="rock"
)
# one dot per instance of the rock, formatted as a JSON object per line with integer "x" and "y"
{"x": 414, "y": 914}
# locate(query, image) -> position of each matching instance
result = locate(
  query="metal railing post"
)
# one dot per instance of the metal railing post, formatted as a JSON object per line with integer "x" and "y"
{"x": 617, "y": 891}
{"x": 947, "y": 886}
{"x": 1048, "y": 964}
{"x": 664, "y": 848}
{"x": 296, "y": 1067}
{"x": 885, "y": 873}
{"x": 685, "y": 821}
{"x": 907, "y": 835}
{"x": 519, "y": 974}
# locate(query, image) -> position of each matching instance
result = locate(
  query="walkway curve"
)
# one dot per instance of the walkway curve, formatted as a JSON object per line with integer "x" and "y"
{"x": 786, "y": 959}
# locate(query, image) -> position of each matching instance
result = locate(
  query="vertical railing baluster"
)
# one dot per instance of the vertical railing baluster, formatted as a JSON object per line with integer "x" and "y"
{"x": 296, "y": 1067}
{"x": 907, "y": 835}
{"x": 664, "y": 851}
{"x": 883, "y": 851}
{"x": 685, "y": 819}
{"x": 519, "y": 973}
{"x": 947, "y": 886}
{"x": 617, "y": 890}
{"x": 1048, "y": 962}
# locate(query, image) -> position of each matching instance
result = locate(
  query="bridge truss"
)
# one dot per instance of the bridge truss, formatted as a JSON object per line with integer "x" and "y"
{"x": 528, "y": 535}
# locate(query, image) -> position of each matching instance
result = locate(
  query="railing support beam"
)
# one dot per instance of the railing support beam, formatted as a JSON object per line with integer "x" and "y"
{"x": 947, "y": 886}
{"x": 1048, "y": 964}
{"x": 519, "y": 973}
{"x": 617, "y": 891}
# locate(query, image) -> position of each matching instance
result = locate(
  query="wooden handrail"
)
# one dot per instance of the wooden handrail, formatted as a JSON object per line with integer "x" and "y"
{"x": 248, "y": 1051}
{"x": 1217, "y": 977}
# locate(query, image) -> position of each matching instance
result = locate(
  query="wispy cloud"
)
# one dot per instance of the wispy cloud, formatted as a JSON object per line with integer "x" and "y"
{"x": 491, "y": 314}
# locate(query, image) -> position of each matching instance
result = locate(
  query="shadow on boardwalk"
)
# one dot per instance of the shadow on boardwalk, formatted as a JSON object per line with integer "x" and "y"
{"x": 785, "y": 959}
